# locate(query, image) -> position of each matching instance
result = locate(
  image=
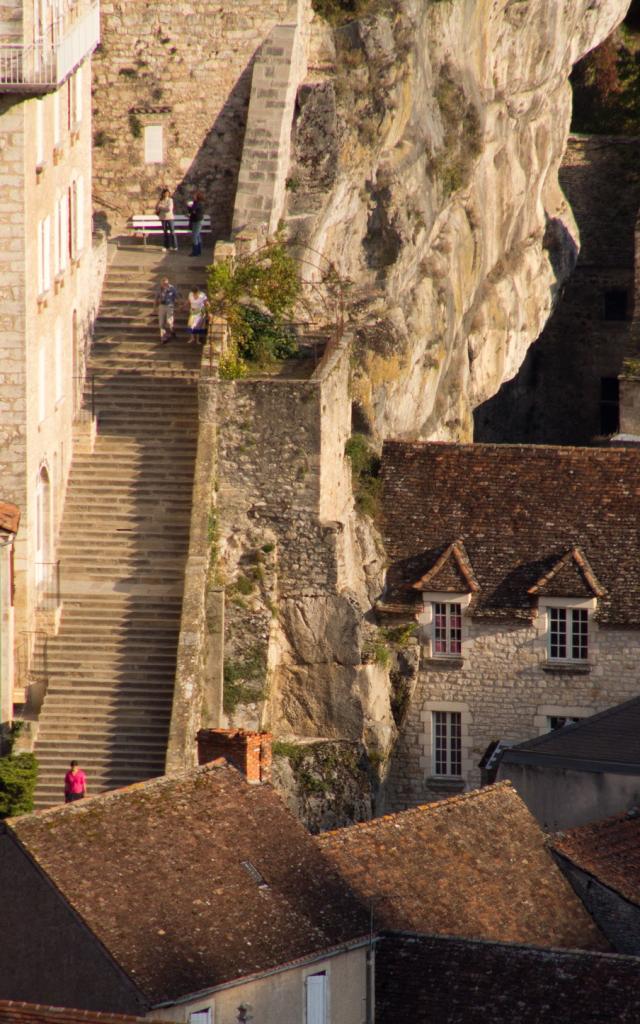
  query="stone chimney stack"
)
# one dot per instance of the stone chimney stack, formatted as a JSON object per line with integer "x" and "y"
{"x": 249, "y": 752}
{"x": 630, "y": 398}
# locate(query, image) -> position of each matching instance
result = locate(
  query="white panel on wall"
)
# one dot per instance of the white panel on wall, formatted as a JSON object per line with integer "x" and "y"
{"x": 153, "y": 144}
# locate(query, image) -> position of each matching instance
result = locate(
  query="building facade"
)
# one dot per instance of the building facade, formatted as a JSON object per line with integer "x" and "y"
{"x": 517, "y": 566}
{"x": 49, "y": 288}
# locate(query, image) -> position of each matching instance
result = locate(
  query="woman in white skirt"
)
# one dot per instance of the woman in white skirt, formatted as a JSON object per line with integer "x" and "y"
{"x": 198, "y": 310}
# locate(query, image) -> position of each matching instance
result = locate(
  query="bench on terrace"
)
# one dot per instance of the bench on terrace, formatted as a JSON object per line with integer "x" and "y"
{"x": 149, "y": 224}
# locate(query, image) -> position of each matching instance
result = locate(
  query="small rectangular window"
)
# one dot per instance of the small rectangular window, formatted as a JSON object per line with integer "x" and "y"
{"x": 559, "y": 721}
{"x": 56, "y": 118}
{"x": 447, "y": 628}
{"x": 77, "y": 89}
{"x": 42, "y": 383}
{"x": 153, "y": 144}
{"x": 616, "y": 301}
{"x": 447, "y": 742}
{"x": 316, "y": 992}
{"x": 39, "y": 133}
{"x": 609, "y": 405}
{"x": 201, "y": 1016}
{"x": 568, "y": 634}
{"x": 58, "y": 361}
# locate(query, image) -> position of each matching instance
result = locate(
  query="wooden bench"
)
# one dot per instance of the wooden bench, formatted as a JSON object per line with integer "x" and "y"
{"x": 149, "y": 224}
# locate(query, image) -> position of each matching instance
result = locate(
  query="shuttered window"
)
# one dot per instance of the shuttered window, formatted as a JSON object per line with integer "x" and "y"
{"x": 316, "y": 990}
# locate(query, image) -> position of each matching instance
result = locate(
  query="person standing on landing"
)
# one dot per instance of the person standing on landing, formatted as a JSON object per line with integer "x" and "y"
{"x": 75, "y": 784}
{"x": 165, "y": 303}
{"x": 196, "y": 217}
{"x": 164, "y": 210}
{"x": 197, "y": 323}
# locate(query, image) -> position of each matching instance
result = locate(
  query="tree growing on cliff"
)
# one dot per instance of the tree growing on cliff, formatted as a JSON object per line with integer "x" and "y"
{"x": 254, "y": 295}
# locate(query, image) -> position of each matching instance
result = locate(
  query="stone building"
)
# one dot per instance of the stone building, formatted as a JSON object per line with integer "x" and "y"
{"x": 567, "y": 391}
{"x": 47, "y": 271}
{"x": 173, "y": 84}
{"x": 9, "y": 521}
{"x": 518, "y": 566}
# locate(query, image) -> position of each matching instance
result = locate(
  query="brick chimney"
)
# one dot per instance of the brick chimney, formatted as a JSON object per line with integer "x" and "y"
{"x": 249, "y": 752}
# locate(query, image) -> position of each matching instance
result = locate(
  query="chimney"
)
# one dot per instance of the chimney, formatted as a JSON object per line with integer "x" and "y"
{"x": 249, "y": 752}
{"x": 630, "y": 398}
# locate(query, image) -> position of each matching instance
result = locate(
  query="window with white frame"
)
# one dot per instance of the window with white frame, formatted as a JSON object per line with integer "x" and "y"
{"x": 79, "y": 214}
{"x": 77, "y": 91}
{"x": 42, "y": 382}
{"x": 447, "y": 628}
{"x": 446, "y": 742}
{"x": 568, "y": 634}
{"x": 44, "y": 255}
{"x": 57, "y": 135}
{"x": 39, "y": 133}
{"x": 58, "y": 355}
{"x": 201, "y": 1016}
{"x": 153, "y": 144}
{"x": 316, "y": 998}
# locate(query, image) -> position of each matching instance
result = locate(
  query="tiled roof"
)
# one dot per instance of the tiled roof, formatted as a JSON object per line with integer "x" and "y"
{"x": 611, "y": 736}
{"x": 168, "y": 874}
{"x": 519, "y": 510}
{"x": 454, "y": 981}
{"x": 474, "y": 866}
{"x": 32, "y": 1013}
{"x": 9, "y": 517}
{"x": 609, "y": 850}
{"x": 451, "y": 573}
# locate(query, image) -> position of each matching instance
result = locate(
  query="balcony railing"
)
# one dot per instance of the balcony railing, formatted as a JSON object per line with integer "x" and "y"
{"x": 42, "y": 66}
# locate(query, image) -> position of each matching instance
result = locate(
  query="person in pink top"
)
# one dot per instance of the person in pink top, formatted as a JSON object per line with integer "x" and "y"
{"x": 75, "y": 783}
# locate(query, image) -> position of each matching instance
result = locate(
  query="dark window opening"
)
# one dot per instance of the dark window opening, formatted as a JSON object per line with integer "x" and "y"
{"x": 609, "y": 405}
{"x": 616, "y": 302}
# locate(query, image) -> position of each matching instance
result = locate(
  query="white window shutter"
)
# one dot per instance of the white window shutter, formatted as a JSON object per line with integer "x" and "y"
{"x": 56, "y": 118}
{"x": 42, "y": 378}
{"x": 64, "y": 229}
{"x": 153, "y": 144}
{"x": 316, "y": 999}
{"x": 79, "y": 218}
{"x": 78, "y": 96}
{"x": 56, "y": 238}
{"x": 39, "y": 132}
{"x": 46, "y": 253}
{"x": 40, "y": 258}
{"x": 58, "y": 359}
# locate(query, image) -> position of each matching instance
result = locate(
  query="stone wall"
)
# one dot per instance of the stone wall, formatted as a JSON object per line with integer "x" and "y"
{"x": 558, "y": 396}
{"x": 184, "y": 67}
{"x": 503, "y": 690}
{"x": 279, "y": 68}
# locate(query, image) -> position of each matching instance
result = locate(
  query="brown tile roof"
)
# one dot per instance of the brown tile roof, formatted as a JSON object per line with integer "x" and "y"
{"x": 609, "y": 850}
{"x": 519, "y": 510}
{"x": 454, "y": 981}
{"x": 610, "y": 738}
{"x": 9, "y": 517}
{"x": 168, "y": 875}
{"x": 474, "y": 866}
{"x": 32, "y": 1013}
{"x": 451, "y": 573}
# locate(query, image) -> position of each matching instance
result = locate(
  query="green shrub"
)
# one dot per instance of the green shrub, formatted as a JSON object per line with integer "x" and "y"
{"x": 365, "y": 473}
{"x": 263, "y": 340}
{"x": 18, "y": 775}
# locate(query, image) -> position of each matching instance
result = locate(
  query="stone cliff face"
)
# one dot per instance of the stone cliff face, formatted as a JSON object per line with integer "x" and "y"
{"x": 426, "y": 163}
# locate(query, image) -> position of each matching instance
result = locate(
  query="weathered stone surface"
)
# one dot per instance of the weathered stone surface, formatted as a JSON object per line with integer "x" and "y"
{"x": 445, "y": 209}
{"x": 326, "y": 784}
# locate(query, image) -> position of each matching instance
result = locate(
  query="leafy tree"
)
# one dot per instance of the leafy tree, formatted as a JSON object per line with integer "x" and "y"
{"x": 254, "y": 294}
{"x": 18, "y": 774}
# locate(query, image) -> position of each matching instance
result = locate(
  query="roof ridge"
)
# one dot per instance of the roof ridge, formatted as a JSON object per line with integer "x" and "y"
{"x": 433, "y": 806}
{"x": 80, "y": 806}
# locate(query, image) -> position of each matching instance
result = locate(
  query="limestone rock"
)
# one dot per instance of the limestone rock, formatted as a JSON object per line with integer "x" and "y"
{"x": 437, "y": 193}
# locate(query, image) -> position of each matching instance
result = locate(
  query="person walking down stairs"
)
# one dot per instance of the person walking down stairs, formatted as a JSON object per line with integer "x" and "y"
{"x": 75, "y": 784}
{"x": 166, "y": 297}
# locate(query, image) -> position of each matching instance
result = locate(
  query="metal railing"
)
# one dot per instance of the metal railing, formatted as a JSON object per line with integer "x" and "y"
{"x": 48, "y": 586}
{"x": 46, "y": 63}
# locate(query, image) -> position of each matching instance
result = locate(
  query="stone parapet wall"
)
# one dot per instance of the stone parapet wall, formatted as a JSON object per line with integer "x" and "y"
{"x": 278, "y": 72}
{"x": 503, "y": 692}
{"x": 186, "y": 68}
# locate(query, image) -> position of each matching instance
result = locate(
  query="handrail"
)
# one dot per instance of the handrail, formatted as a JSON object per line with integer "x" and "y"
{"x": 46, "y": 63}
{"x": 107, "y": 202}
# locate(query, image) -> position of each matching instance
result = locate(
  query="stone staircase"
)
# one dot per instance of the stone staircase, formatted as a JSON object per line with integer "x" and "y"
{"x": 123, "y": 544}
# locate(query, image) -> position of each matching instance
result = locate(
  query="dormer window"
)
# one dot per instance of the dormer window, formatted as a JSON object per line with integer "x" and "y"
{"x": 568, "y": 634}
{"x": 447, "y": 629}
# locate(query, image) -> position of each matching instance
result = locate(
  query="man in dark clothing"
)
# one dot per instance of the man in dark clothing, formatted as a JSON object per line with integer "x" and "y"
{"x": 165, "y": 303}
{"x": 196, "y": 217}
